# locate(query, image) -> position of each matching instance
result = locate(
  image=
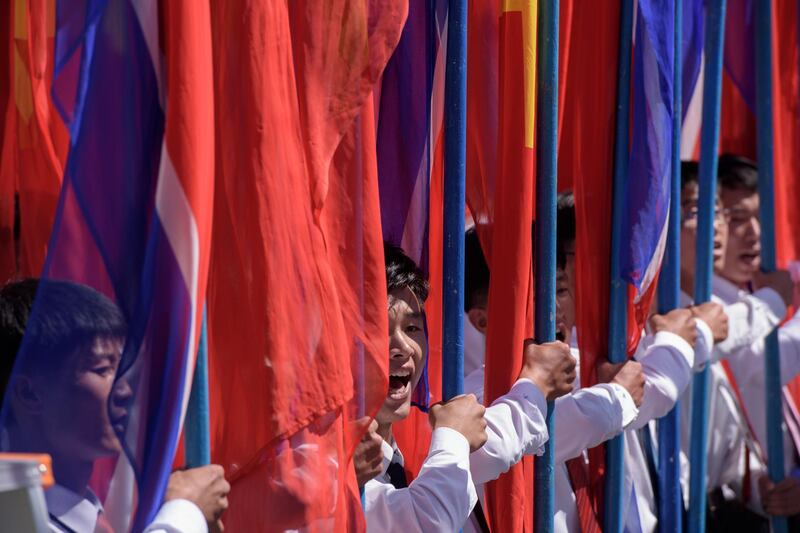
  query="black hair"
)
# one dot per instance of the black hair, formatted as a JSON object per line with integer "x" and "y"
{"x": 690, "y": 173}
{"x": 403, "y": 273}
{"x": 68, "y": 316}
{"x": 476, "y": 271}
{"x": 737, "y": 173}
{"x": 565, "y": 226}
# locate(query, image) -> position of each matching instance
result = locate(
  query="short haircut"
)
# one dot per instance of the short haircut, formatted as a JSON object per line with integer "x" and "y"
{"x": 476, "y": 271}
{"x": 737, "y": 173}
{"x": 565, "y": 226}
{"x": 690, "y": 173}
{"x": 403, "y": 273}
{"x": 68, "y": 316}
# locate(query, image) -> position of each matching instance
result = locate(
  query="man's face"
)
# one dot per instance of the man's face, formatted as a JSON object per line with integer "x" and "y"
{"x": 78, "y": 419}
{"x": 743, "y": 256}
{"x": 565, "y": 307}
{"x": 407, "y": 352}
{"x": 689, "y": 214}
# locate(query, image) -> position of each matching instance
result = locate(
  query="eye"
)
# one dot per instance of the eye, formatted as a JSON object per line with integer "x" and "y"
{"x": 104, "y": 370}
{"x": 412, "y": 328}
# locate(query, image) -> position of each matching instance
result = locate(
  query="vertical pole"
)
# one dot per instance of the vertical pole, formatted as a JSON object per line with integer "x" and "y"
{"x": 670, "y": 505}
{"x": 766, "y": 193}
{"x": 197, "y": 432}
{"x": 455, "y": 134}
{"x": 617, "y": 335}
{"x": 545, "y": 253}
{"x": 709, "y": 142}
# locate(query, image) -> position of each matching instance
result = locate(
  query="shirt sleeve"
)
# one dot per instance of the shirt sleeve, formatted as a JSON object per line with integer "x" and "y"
{"x": 439, "y": 499}
{"x": 178, "y": 516}
{"x": 704, "y": 345}
{"x": 590, "y": 416}
{"x": 667, "y": 365}
{"x": 789, "y": 339}
{"x": 515, "y": 427}
{"x": 750, "y": 319}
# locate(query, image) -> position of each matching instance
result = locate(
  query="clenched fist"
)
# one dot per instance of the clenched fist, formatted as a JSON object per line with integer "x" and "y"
{"x": 628, "y": 374}
{"x": 678, "y": 321}
{"x": 463, "y": 414}
{"x": 714, "y": 315}
{"x": 550, "y": 366}
{"x": 204, "y": 486}
{"x": 368, "y": 455}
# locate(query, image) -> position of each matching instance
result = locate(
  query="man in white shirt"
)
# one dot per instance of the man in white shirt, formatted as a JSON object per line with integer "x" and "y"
{"x": 585, "y": 417}
{"x": 668, "y": 354}
{"x": 443, "y": 494}
{"x": 738, "y": 181}
{"x": 731, "y": 443}
{"x": 63, "y": 401}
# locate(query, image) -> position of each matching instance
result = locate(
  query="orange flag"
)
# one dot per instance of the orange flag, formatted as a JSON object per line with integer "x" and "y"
{"x": 297, "y": 299}
{"x": 35, "y": 142}
{"x": 510, "y": 498}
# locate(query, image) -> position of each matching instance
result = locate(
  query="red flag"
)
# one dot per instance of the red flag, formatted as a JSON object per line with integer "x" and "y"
{"x": 35, "y": 144}
{"x": 586, "y": 158}
{"x": 296, "y": 294}
{"x": 786, "y": 134}
{"x": 506, "y": 220}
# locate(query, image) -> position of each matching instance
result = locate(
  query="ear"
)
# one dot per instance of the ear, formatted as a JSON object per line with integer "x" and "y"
{"x": 26, "y": 394}
{"x": 478, "y": 318}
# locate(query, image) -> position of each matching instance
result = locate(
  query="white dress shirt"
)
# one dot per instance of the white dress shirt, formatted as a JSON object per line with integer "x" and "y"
{"x": 749, "y": 319}
{"x": 747, "y": 364}
{"x": 71, "y": 513}
{"x": 667, "y": 362}
{"x": 584, "y": 419}
{"x": 439, "y": 499}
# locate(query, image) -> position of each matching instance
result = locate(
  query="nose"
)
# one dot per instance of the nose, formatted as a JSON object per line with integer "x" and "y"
{"x": 754, "y": 228}
{"x": 399, "y": 348}
{"x": 122, "y": 393}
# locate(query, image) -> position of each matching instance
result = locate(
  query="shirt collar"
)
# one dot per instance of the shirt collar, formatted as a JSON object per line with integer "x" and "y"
{"x": 391, "y": 454}
{"x": 725, "y": 290}
{"x": 77, "y": 512}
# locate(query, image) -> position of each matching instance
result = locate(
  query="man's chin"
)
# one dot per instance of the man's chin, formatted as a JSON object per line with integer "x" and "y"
{"x": 392, "y": 411}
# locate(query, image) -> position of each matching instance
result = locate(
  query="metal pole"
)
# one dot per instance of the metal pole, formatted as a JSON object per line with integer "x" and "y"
{"x": 766, "y": 192}
{"x": 618, "y": 310}
{"x": 670, "y": 505}
{"x": 709, "y": 142}
{"x": 545, "y": 256}
{"x": 455, "y": 134}
{"x": 198, "y": 432}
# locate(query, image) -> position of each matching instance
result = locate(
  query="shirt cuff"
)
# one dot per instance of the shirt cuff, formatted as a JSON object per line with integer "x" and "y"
{"x": 629, "y": 409}
{"x": 703, "y": 346}
{"x": 667, "y": 338}
{"x": 445, "y": 438}
{"x": 773, "y": 300}
{"x": 179, "y": 516}
{"x": 526, "y": 388}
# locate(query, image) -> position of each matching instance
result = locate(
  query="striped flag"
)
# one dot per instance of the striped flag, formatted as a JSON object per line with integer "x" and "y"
{"x": 409, "y": 152}
{"x": 647, "y": 196}
{"x": 134, "y": 87}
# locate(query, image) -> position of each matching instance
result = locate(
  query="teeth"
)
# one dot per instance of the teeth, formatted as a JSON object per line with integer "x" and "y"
{"x": 400, "y": 374}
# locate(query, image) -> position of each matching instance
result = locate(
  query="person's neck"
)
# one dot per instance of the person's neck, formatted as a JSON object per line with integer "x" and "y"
{"x": 69, "y": 472}
{"x": 385, "y": 432}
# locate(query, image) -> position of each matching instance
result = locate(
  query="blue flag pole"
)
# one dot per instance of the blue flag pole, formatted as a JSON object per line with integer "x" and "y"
{"x": 197, "y": 430}
{"x": 455, "y": 134}
{"x": 766, "y": 213}
{"x": 670, "y": 504}
{"x": 709, "y": 142}
{"x": 545, "y": 256}
{"x": 618, "y": 304}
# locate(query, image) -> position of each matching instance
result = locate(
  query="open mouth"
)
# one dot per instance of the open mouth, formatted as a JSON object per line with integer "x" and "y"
{"x": 749, "y": 258}
{"x": 399, "y": 384}
{"x": 561, "y": 332}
